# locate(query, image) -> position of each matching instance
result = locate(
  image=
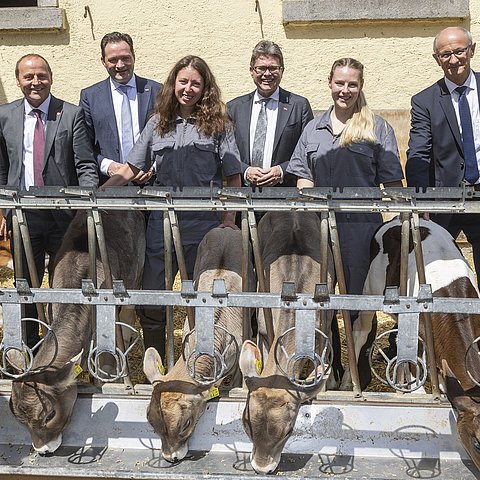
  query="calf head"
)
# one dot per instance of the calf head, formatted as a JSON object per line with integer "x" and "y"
{"x": 175, "y": 406}
{"x": 43, "y": 402}
{"x": 270, "y": 412}
{"x": 467, "y": 408}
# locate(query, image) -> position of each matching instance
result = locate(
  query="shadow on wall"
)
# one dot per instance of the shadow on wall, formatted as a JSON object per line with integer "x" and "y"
{"x": 3, "y": 98}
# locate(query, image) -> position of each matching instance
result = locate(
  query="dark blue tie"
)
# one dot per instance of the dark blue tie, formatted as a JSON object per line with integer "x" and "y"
{"x": 471, "y": 165}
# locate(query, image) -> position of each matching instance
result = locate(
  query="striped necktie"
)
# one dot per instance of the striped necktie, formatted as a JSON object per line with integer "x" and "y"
{"x": 260, "y": 134}
{"x": 127, "y": 125}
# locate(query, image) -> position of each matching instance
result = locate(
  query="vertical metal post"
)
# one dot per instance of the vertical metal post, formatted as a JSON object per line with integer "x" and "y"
{"x": 245, "y": 274}
{"x": 182, "y": 268}
{"x": 342, "y": 287}
{"x": 427, "y": 318}
{"x": 167, "y": 245}
{"x": 323, "y": 263}
{"x": 32, "y": 269}
{"x": 267, "y": 312}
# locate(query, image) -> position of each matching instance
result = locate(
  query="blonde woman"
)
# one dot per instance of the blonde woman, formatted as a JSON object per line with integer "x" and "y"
{"x": 349, "y": 146}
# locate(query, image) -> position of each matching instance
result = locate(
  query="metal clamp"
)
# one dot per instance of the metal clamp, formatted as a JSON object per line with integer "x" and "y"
{"x": 308, "y": 342}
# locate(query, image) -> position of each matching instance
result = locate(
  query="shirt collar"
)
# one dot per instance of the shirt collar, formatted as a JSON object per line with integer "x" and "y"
{"x": 469, "y": 82}
{"x": 324, "y": 120}
{"x": 43, "y": 106}
{"x": 274, "y": 96}
{"x": 131, "y": 83}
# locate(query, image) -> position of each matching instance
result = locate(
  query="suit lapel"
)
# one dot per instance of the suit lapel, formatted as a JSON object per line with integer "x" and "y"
{"x": 18, "y": 115}
{"x": 283, "y": 113}
{"x": 106, "y": 94}
{"x": 144, "y": 92}
{"x": 447, "y": 107}
{"x": 245, "y": 113}
{"x": 54, "y": 116}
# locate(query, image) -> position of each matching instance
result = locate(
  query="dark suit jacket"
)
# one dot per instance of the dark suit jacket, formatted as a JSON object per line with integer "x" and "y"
{"x": 68, "y": 159}
{"x": 435, "y": 150}
{"x": 97, "y": 102}
{"x": 294, "y": 112}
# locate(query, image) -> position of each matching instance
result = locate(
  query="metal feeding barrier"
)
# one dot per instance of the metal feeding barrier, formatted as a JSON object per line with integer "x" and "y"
{"x": 311, "y": 344}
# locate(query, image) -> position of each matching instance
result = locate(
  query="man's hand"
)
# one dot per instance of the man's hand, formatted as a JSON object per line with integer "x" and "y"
{"x": 113, "y": 168}
{"x": 264, "y": 177}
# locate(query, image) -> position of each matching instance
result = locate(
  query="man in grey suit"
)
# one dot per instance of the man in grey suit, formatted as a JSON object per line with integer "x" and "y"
{"x": 117, "y": 108}
{"x": 444, "y": 145}
{"x": 268, "y": 121}
{"x": 43, "y": 142}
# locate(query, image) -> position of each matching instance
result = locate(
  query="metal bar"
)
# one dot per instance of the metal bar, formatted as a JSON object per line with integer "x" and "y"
{"x": 32, "y": 269}
{"x": 305, "y": 334}
{"x": 432, "y": 365}
{"x": 182, "y": 268}
{"x": 106, "y": 328}
{"x": 342, "y": 287}
{"x": 324, "y": 250}
{"x": 262, "y": 287}
{"x": 204, "y": 328}
{"x": 12, "y": 326}
{"x": 169, "y": 278}
{"x": 245, "y": 274}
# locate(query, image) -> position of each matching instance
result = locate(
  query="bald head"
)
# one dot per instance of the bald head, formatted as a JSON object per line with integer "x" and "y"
{"x": 453, "y": 48}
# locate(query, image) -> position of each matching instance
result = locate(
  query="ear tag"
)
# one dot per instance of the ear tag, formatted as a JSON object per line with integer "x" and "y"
{"x": 213, "y": 393}
{"x": 161, "y": 368}
{"x": 258, "y": 364}
{"x": 77, "y": 370}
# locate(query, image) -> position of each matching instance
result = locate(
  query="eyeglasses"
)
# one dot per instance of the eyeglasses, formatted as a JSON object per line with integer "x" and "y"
{"x": 459, "y": 52}
{"x": 261, "y": 69}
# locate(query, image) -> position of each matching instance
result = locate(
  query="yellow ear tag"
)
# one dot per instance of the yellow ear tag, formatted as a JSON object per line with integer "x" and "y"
{"x": 161, "y": 368}
{"x": 213, "y": 392}
{"x": 258, "y": 364}
{"x": 77, "y": 370}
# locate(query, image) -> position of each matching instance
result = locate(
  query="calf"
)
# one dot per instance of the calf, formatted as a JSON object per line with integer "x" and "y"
{"x": 450, "y": 276}
{"x": 178, "y": 401}
{"x": 290, "y": 248}
{"x": 44, "y": 401}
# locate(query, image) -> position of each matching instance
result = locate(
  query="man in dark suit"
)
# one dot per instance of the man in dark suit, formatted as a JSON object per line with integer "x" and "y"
{"x": 444, "y": 145}
{"x": 268, "y": 121}
{"x": 43, "y": 141}
{"x": 106, "y": 106}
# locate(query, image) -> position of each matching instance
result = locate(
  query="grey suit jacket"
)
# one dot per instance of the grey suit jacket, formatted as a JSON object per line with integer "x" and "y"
{"x": 97, "y": 102}
{"x": 294, "y": 112}
{"x": 435, "y": 149}
{"x": 68, "y": 159}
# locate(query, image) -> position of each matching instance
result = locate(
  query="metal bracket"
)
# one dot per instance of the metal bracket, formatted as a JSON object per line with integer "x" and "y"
{"x": 119, "y": 289}
{"x": 288, "y": 292}
{"x": 23, "y": 288}
{"x": 88, "y": 288}
{"x": 321, "y": 294}
{"x": 425, "y": 293}
{"x": 219, "y": 289}
{"x": 187, "y": 290}
{"x": 392, "y": 296}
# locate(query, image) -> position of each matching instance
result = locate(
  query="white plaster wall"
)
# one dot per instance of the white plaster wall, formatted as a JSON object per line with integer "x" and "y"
{"x": 397, "y": 56}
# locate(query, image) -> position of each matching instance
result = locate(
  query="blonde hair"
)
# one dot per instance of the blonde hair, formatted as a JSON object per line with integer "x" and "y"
{"x": 362, "y": 124}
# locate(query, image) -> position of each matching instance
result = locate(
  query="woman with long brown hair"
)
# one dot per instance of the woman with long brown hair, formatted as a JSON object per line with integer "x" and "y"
{"x": 189, "y": 142}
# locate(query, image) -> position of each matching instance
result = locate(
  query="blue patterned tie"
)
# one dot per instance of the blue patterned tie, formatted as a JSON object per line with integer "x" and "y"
{"x": 260, "y": 135}
{"x": 471, "y": 165}
{"x": 127, "y": 126}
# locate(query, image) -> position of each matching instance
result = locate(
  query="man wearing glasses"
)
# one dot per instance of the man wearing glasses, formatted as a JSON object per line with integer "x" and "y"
{"x": 268, "y": 121}
{"x": 444, "y": 145}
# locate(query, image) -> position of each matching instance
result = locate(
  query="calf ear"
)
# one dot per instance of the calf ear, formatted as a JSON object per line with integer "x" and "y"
{"x": 153, "y": 366}
{"x": 250, "y": 359}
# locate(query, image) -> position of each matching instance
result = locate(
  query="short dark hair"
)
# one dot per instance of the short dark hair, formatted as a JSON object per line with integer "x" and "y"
{"x": 116, "y": 37}
{"x": 266, "y": 47}
{"x": 31, "y": 55}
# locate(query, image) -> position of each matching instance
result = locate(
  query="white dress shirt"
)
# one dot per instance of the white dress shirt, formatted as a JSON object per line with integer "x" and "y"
{"x": 272, "y": 112}
{"x": 29, "y": 122}
{"x": 117, "y": 97}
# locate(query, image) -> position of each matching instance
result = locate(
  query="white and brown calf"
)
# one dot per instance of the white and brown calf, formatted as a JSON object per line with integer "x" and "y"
{"x": 178, "y": 401}
{"x": 290, "y": 248}
{"x": 44, "y": 401}
{"x": 450, "y": 276}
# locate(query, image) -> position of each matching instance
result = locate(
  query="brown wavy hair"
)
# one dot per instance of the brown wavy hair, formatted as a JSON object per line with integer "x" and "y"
{"x": 210, "y": 112}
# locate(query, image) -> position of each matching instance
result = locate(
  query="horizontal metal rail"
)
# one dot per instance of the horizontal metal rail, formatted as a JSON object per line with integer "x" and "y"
{"x": 398, "y": 305}
{"x": 441, "y": 199}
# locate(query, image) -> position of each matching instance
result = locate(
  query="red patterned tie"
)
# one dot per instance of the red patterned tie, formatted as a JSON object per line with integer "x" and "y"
{"x": 38, "y": 148}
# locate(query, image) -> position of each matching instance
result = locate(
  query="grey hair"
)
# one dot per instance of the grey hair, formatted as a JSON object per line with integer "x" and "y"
{"x": 266, "y": 47}
{"x": 466, "y": 32}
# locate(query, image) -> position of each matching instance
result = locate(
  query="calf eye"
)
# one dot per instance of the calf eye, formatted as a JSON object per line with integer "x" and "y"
{"x": 50, "y": 416}
{"x": 186, "y": 425}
